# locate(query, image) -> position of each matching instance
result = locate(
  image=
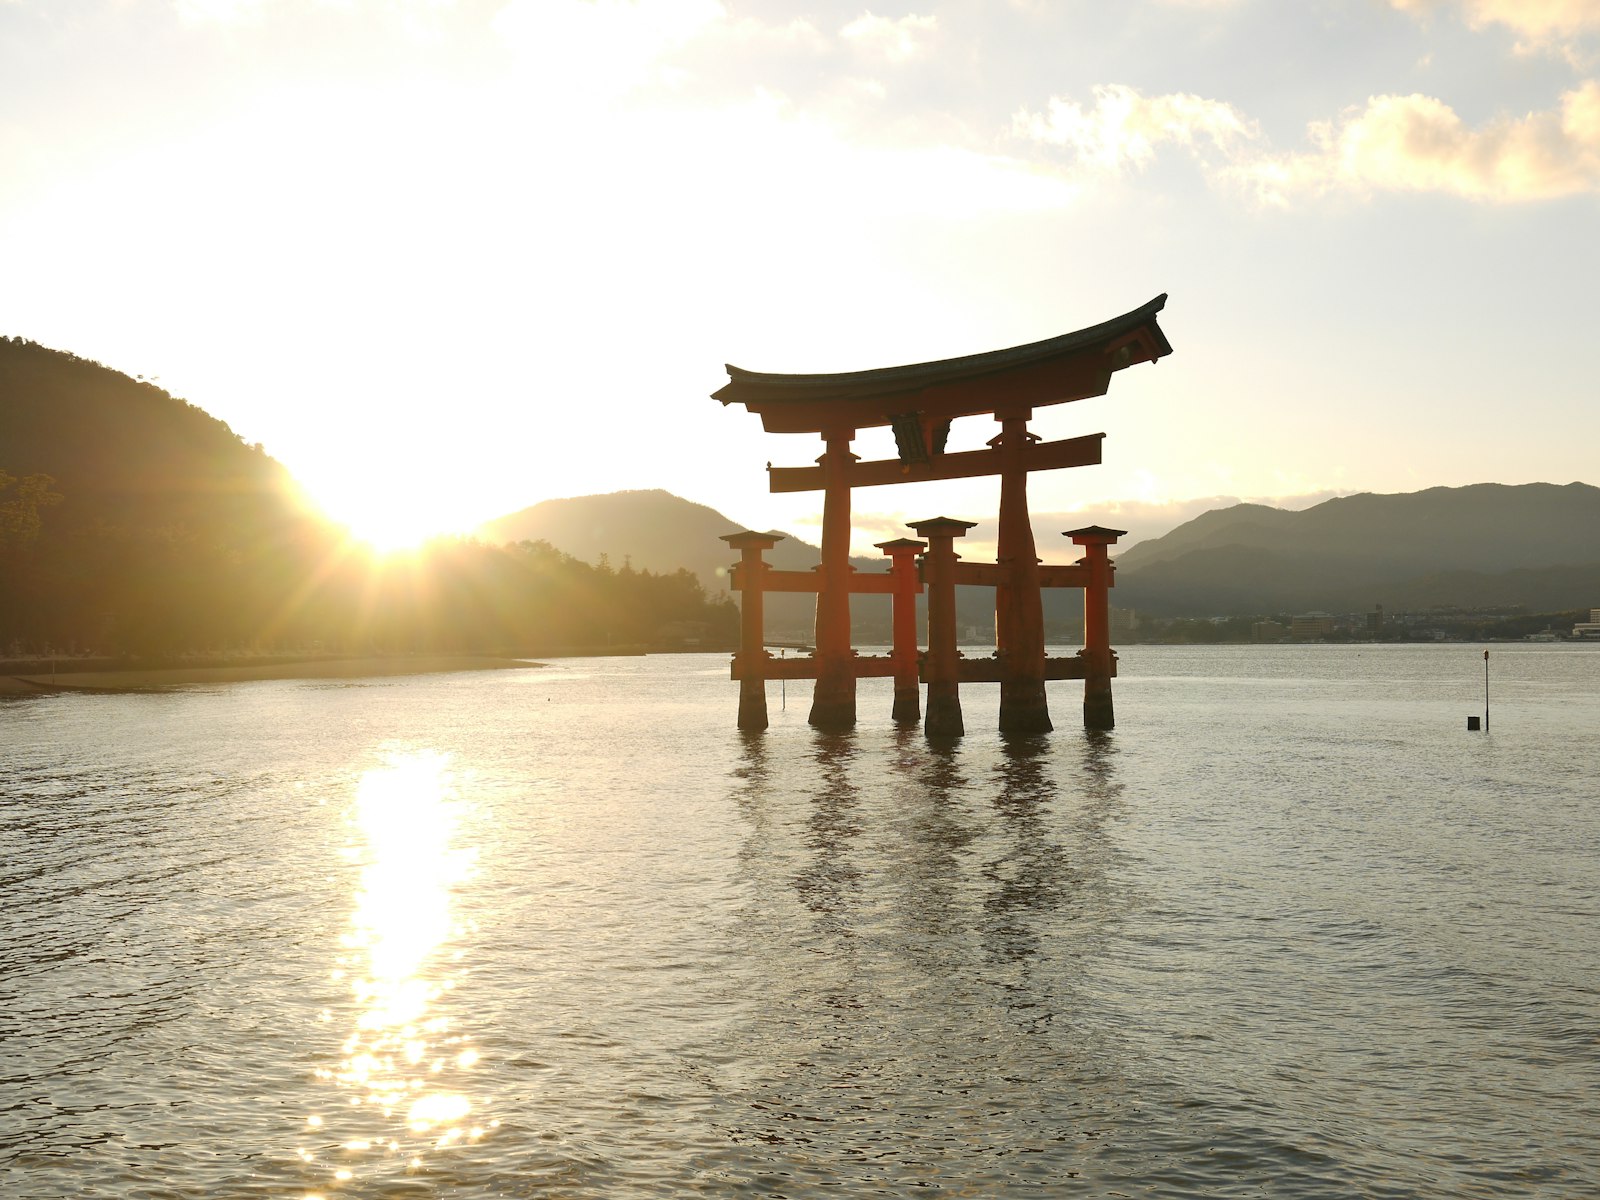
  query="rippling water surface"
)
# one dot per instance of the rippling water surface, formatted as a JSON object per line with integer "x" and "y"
{"x": 1289, "y": 931}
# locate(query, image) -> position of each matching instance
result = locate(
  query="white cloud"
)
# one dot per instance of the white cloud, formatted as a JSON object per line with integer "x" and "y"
{"x": 1124, "y": 128}
{"x": 896, "y": 41}
{"x": 1418, "y": 143}
{"x": 1543, "y": 25}
{"x": 1392, "y": 143}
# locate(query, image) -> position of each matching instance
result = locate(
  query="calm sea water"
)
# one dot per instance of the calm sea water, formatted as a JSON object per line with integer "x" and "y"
{"x": 1289, "y": 931}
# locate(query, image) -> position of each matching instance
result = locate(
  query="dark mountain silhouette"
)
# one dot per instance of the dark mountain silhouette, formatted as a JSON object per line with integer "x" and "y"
{"x": 655, "y": 530}
{"x": 132, "y": 522}
{"x": 1487, "y": 544}
{"x": 124, "y": 453}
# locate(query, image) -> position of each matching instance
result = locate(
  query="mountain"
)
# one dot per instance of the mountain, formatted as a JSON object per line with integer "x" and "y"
{"x": 125, "y": 454}
{"x": 655, "y": 530}
{"x": 159, "y": 528}
{"x": 133, "y": 523}
{"x": 1484, "y": 545}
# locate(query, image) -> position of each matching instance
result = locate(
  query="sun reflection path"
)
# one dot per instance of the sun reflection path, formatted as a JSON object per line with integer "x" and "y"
{"x": 403, "y": 1064}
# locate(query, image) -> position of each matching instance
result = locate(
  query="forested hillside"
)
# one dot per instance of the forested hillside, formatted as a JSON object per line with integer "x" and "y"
{"x": 1485, "y": 545}
{"x": 132, "y": 522}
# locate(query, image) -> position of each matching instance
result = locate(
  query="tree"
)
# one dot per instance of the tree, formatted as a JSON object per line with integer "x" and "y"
{"x": 19, "y": 513}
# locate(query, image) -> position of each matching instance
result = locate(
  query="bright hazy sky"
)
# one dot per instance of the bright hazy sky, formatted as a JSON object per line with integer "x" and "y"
{"x": 447, "y": 258}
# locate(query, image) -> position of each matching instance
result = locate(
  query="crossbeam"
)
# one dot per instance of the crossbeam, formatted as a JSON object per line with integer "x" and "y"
{"x": 992, "y": 670}
{"x": 862, "y": 583}
{"x": 868, "y": 666}
{"x": 968, "y": 464}
{"x": 978, "y": 574}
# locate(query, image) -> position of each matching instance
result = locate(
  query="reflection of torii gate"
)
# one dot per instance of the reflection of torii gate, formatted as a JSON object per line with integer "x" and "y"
{"x": 919, "y": 402}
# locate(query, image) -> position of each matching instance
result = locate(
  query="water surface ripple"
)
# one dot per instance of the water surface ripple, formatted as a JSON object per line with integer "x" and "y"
{"x": 1288, "y": 931}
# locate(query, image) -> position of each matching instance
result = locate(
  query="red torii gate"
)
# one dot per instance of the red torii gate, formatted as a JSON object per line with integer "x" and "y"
{"x": 918, "y": 403}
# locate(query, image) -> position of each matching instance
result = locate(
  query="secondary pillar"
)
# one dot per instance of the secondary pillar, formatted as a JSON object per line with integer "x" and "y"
{"x": 942, "y": 666}
{"x": 833, "y": 702}
{"x": 1019, "y": 606}
{"x": 1099, "y": 662}
{"x": 750, "y": 664}
{"x": 902, "y": 554}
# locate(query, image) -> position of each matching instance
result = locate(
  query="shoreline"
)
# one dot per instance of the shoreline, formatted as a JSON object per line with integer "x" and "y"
{"x": 147, "y": 679}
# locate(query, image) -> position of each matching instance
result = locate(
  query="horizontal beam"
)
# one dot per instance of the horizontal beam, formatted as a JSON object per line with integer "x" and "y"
{"x": 1039, "y": 456}
{"x": 975, "y": 574}
{"x": 969, "y": 670}
{"x": 863, "y": 667}
{"x": 992, "y": 670}
{"x": 861, "y": 583}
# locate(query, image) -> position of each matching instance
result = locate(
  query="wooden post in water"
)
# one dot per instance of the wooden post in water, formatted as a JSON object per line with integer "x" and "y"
{"x": 749, "y": 665}
{"x": 902, "y": 554}
{"x": 1019, "y": 606}
{"x": 833, "y": 703}
{"x": 941, "y": 668}
{"x": 1099, "y": 664}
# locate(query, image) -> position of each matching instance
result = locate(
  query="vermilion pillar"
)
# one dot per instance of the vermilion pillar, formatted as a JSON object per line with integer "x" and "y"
{"x": 750, "y": 664}
{"x": 833, "y": 702}
{"x": 1099, "y": 663}
{"x": 902, "y": 554}
{"x": 941, "y": 668}
{"x": 1019, "y": 608}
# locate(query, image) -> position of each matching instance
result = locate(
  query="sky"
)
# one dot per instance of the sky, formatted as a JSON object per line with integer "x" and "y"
{"x": 448, "y": 258}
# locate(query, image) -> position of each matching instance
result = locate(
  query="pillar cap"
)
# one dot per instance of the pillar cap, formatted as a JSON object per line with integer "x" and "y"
{"x": 750, "y": 540}
{"x": 1091, "y": 535}
{"x": 941, "y": 527}
{"x": 901, "y": 544}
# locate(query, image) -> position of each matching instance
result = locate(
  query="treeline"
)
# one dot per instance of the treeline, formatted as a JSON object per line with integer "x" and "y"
{"x": 168, "y": 591}
{"x": 134, "y": 523}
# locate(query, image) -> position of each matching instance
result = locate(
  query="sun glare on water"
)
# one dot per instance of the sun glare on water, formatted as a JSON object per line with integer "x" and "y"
{"x": 399, "y": 1088}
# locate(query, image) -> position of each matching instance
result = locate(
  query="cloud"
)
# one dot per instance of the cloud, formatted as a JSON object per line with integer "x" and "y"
{"x": 1410, "y": 143}
{"x": 896, "y": 41}
{"x": 1544, "y": 25}
{"x": 1418, "y": 143}
{"x": 1123, "y": 128}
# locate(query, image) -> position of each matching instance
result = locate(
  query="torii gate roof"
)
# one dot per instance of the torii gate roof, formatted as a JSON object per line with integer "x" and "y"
{"x": 1071, "y": 366}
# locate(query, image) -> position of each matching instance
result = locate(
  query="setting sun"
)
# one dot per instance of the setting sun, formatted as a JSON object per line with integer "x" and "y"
{"x": 387, "y": 523}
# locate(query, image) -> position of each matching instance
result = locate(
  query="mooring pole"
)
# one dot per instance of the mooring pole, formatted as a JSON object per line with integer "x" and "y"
{"x": 1486, "y": 691}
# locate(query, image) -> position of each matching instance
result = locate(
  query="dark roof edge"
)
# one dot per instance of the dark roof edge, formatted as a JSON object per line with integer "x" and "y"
{"x": 745, "y": 385}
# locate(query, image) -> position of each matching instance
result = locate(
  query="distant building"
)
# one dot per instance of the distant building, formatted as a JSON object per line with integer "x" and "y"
{"x": 1589, "y": 628}
{"x": 1375, "y": 622}
{"x": 1311, "y": 625}
{"x": 1124, "y": 624}
{"x": 1268, "y": 631}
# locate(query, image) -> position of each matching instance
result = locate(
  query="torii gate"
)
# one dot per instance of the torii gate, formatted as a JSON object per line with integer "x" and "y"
{"x": 919, "y": 402}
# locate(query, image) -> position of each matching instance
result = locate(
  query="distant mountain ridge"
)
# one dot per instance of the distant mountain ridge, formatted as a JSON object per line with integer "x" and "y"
{"x": 1486, "y": 544}
{"x": 1483, "y": 545}
{"x": 654, "y": 530}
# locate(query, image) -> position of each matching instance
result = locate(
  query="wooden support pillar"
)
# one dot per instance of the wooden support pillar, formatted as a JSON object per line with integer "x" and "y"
{"x": 1019, "y": 606}
{"x": 1098, "y": 712}
{"x": 941, "y": 668}
{"x": 751, "y": 662}
{"x": 833, "y": 702}
{"x": 902, "y": 554}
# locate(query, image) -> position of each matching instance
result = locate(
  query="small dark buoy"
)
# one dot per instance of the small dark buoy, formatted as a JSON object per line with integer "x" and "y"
{"x": 1472, "y": 722}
